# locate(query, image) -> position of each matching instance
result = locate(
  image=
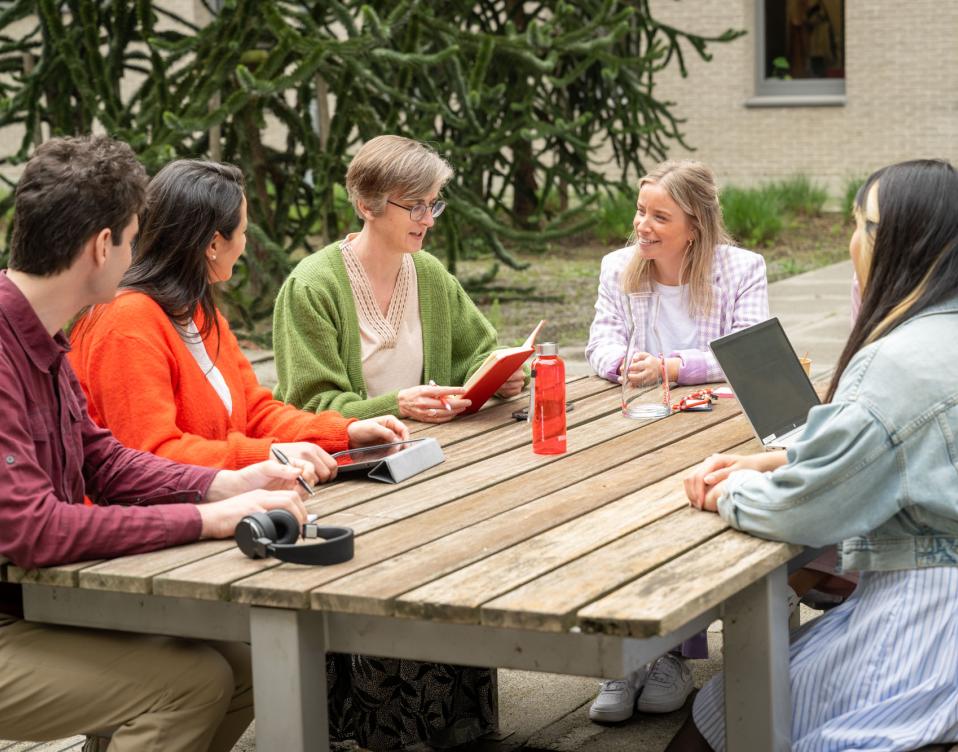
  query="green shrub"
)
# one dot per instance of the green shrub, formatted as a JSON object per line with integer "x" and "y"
{"x": 851, "y": 190}
{"x": 614, "y": 214}
{"x": 753, "y": 216}
{"x": 799, "y": 195}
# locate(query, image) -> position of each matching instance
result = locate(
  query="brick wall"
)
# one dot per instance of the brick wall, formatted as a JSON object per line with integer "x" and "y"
{"x": 901, "y": 89}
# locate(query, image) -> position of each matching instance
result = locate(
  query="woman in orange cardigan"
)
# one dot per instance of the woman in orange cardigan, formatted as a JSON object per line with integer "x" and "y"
{"x": 159, "y": 364}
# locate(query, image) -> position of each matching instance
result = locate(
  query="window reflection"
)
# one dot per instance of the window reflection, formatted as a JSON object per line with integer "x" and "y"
{"x": 804, "y": 39}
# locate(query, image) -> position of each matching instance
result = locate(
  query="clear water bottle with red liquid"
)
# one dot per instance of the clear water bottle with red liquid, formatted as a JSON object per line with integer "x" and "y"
{"x": 548, "y": 401}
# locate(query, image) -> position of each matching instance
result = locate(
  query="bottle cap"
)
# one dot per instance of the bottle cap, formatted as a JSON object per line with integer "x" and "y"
{"x": 547, "y": 348}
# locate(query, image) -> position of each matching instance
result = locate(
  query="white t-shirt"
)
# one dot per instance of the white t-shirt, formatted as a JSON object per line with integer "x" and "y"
{"x": 194, "y": 343}
{"x": 677, "y": 329}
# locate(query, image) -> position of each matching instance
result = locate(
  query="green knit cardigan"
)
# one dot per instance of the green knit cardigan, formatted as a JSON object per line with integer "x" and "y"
{"x": 316, "y": 335}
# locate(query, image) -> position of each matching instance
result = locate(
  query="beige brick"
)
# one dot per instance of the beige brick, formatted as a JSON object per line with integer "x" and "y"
{"x": 901, "y": 90}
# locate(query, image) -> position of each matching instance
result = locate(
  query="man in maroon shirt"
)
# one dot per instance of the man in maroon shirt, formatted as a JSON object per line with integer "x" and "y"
{"x": 75, "y": 220}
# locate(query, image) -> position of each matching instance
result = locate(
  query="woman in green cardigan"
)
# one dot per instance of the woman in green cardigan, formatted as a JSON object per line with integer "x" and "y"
{"x": 365, "y": 325}
{"x": 362, "y": 326}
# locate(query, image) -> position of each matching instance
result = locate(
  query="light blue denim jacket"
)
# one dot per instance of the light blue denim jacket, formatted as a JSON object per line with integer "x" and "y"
{"x": 876, "y": 470}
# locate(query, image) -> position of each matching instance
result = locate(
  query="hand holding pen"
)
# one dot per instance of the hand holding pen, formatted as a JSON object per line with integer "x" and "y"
{"x": 431, "y": 403}
{"x": 445, "y": 402}
{"x": 283, "y": 459}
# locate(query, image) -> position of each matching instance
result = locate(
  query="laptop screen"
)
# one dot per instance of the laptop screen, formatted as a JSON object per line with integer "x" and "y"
{"x": 767, "y": 378}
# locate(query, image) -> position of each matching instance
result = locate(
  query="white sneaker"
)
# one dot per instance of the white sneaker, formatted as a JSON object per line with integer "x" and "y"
{"x": 668, "y": 686}
{"x": 616, "y": 698}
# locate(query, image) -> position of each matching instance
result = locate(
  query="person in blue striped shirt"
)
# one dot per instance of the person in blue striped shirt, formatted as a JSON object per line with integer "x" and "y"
{"x": 876, "y": 472}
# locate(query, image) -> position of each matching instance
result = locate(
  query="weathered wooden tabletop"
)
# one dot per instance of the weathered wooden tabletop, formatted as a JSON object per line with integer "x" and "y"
{"x": 600, "y": 538}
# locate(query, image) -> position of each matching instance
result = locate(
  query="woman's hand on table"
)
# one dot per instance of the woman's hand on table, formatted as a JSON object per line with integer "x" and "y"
{"x": 218, "y": 519}
{"x": 513, "y": 385}
{"x": 704, "y": 484}
{"x": 645, "y": 368}
{"x": 430, "y": 403}
{"x": 382, "y": 430}
{"x": 709, "y": 502}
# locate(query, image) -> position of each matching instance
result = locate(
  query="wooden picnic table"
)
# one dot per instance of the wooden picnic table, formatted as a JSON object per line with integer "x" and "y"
{"x": 586, "y": 563}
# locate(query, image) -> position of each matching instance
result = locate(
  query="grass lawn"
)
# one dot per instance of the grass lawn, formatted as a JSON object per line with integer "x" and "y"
{"x": 560, "y": 283}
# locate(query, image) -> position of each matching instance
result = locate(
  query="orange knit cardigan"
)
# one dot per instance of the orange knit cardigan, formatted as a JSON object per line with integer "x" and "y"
{"x": 143, "y": 384}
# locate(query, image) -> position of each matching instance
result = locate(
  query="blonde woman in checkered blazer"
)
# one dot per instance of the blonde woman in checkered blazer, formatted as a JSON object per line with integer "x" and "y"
{"x": 707, "y": 288}
{"x": 679, "y": 249}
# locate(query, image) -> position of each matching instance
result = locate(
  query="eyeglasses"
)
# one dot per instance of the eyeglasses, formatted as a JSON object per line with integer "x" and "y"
{"x": 418, "y": 212}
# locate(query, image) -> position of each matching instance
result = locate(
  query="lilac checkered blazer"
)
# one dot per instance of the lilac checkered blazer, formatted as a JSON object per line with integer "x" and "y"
{"x": 740, "y": 299}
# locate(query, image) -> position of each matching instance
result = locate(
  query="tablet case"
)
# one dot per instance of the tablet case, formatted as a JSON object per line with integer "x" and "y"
{"x": 408, "y": 462}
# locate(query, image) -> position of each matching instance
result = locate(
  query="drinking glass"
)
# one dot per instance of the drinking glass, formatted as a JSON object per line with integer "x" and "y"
{"x": 647, "y": 397}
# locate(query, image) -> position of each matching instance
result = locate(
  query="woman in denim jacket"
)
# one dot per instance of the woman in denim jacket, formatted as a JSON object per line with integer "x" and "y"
{"x": 876, "y": 471}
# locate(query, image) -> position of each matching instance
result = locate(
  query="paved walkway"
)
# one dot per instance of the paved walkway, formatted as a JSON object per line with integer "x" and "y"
{"x": 548, "y": 712}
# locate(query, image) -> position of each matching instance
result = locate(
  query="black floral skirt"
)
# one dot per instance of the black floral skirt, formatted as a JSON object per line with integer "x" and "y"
{"x": 388, "y": 704}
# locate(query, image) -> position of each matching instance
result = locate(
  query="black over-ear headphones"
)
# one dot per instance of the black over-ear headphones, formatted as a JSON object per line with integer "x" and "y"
{"x": 275, "y": 533}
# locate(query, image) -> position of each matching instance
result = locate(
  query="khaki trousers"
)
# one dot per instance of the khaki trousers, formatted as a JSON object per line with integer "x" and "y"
{"x": 160, "y": 694}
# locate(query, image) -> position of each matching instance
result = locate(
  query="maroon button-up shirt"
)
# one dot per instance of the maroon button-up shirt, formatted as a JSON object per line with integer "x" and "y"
{"x": 51, "y": 454}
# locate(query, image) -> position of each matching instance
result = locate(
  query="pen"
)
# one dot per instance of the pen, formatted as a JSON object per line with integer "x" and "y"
{"x": 283, "y": 459}
{"x": 441, "y": 399}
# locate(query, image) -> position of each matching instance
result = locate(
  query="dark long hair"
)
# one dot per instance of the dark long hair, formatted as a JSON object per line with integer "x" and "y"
{"x": 914, "y": 261}
{"x": 187, "y": 203}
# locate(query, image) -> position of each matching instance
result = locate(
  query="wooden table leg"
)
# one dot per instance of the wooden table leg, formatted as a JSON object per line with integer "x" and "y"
{"x": 289, "y": 680}
{"x": 758, "y": 706}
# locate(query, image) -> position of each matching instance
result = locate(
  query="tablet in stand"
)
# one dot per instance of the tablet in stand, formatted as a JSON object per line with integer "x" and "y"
{"x": 407, "y": 458}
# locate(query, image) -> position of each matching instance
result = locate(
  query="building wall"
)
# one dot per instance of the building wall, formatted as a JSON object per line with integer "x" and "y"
{"x": 901, "y": 90}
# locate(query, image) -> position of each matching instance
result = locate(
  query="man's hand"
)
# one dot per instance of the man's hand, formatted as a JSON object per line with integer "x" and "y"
{"x": 382, "y": 430}
{"x": 219, "y": 518}
{"x": 512, "y": 385}
{"x": 268, "y": 475}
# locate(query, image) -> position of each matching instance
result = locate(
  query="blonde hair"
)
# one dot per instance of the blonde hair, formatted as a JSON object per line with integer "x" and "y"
{"x": 397, "y": 166}
{"x": 692, "y": 186}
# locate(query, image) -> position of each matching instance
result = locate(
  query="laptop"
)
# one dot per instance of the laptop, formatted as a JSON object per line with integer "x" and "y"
{"x": 762, "y": 368}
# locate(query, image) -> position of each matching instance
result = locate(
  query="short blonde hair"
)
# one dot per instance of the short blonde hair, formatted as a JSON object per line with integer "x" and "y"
{"x": 691, "y": 185}
{"x": 394, "y": 166}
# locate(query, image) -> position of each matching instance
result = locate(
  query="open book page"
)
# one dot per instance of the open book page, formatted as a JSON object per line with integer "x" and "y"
{"x": 498, "y": 366}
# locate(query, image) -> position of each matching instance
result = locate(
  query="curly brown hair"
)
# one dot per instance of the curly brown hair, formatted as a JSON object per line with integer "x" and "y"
{"x": 71, "y": 189}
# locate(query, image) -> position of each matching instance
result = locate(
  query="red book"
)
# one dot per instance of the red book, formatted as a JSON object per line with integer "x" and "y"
{"x": 498, "y": 366}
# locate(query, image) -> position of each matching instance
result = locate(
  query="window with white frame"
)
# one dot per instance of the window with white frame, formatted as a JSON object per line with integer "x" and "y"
{"x": 800, "y": 48}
